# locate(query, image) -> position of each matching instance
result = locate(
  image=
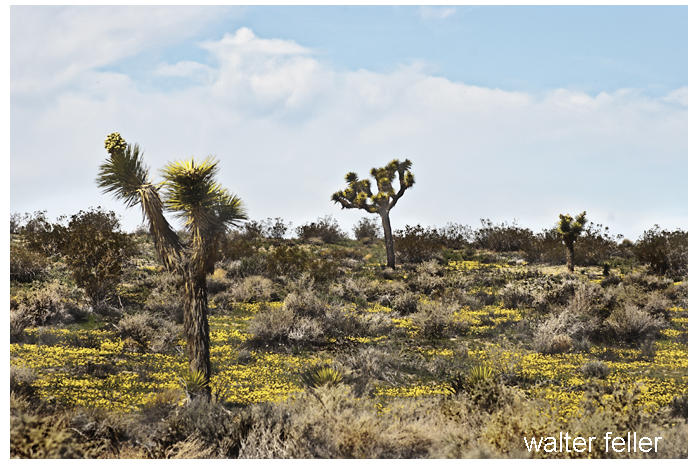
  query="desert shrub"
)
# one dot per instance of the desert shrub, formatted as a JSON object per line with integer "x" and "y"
{"x": 558, "y": 333}
{"x": 501, "y": 237}
{"x": 50, "y": 303}
{"x": 455, "y": 236}
{"x": 679, "y": 294}
{"x": 101, "y": 430}
{"x": 679, "y": 406}
{"x": 384, "y": 292}
{"x": 25, "y": 265}
{"x": 19, "y": 321}
{"x": 15, "y": 222}
{"x": 628, "y": 323}
{"x": 150, "y": 333}
{"x": 46, "y": 437}
{"x": 501, "y": 435}
{"x": 238, "y": 247}
{"x": 552, "y": 291}
{"x": 332, "y": 423}
{"x": 22, "y": 381}
{"x": 647, "y": 282}
{"x": 368, "y": 364}
{"x": 594, "y": 247}
{"x": 367, "y": 229}
{"x": 595, "y": 369}
{"x": 295, "y": 260}
{"x": 272, "y": 325}
{"x": 166, "y": 297}
{"x": 665, "y": 252}
{"x": 546, "y": 247}
{"x": 611, "y": 407}
{"x": 305, "y": 304}
{"x": 415, "y": 244}
{"x": 481, "y": 385}
{"x": 326, "y": 229}
{"x": 93, "y": 246}
{"x": 252, "y": 265}
{"x": 271, "y": 228}
{"x": 40, "y": 235}
{"x": 252, "y": 289}
{"x": 252, "y": 230}
{"x": 405, "y": 303}
{"x": 656, "y": 304}
{"x": 276, "y": 228}
{"x": 207, "y": 424}
{"x": 353, "y": 289}
{"x": 436, "y": 320}
{"x": 515, "y": 296}
{"x": 428, "y": 279}
{"x": 338, "y": 323}
{"x": 284, "y": 325}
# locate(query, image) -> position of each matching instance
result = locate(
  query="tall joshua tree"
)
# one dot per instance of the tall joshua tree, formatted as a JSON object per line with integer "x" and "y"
{"x": 570, "y": 229}
{"x": 190, "y": 192}
{"x": 359, "y": 195}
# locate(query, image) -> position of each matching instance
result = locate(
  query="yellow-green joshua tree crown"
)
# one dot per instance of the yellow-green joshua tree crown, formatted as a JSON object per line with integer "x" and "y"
{"x": 569, "y": 229}
{"x": 359, "y": 195}
{"x": 115, "y": 143}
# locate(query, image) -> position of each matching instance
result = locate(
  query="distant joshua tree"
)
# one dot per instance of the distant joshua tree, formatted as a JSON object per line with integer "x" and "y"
{"x": 359, "y": 195}
{"x": 207, "y": 209}
{"x": 570, "y": 231}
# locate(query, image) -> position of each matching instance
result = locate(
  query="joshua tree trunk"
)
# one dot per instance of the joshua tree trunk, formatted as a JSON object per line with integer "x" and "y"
{"x": 388, "y": 240}
{"x": 196, "y": 327}
{"x": 570, "y": 253}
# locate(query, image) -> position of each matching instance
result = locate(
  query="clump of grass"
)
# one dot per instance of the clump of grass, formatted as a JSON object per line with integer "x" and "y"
{"x": 595, "y": 369}
{"x": 150, "y": 333}
{"x": 436, "y": 320}
{"x": 629, "y": 323}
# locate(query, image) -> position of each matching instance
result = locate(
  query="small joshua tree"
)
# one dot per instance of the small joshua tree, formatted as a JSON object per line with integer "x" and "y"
{"x": 207, "y": 209}
{"x": 570, "y": 231}
{"x": 359, "y": 195}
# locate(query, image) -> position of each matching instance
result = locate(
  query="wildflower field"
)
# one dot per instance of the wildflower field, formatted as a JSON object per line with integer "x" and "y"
{"x": 326, "y": 353}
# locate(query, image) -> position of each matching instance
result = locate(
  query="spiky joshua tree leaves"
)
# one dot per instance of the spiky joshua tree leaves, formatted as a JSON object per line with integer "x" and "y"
{"x": 359, "y": 195}
{"x": 206, "y": 209}
{"x": 570, "y": 229}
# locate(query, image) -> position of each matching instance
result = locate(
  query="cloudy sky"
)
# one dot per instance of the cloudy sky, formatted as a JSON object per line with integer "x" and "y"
{"x": 507, "y": 113}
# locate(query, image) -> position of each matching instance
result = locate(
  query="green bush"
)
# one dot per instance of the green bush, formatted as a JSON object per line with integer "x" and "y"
{"x": 295, "y": 260}
{"x": 93, "y": 246}
{"x": 665, "y": 252}
{"x": 416, "y": 244}
{"x": 326, "y": 229}
{"x": 367, "y": 229}
{"x": 25, "y": 265}
{"x": 502, "y": 237}
{"x": 594, "y": 247}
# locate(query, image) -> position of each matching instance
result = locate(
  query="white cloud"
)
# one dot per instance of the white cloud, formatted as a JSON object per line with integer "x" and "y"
{"x": 680, "y": 96}
{"x": 430, "y": 12}
{"x": 52, "y": 47}
{"x": 181, "y": 69}
{"x": 288, "y": 127}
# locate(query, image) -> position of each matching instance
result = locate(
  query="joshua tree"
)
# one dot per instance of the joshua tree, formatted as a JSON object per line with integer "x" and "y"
{"x": 570, "y": 230}
{"x": 359, "y": 195}
{"x": 207, "y": 209}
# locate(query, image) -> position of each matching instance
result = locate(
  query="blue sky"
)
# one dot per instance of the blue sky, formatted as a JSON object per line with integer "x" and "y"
{"x": 506, "y": 112}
